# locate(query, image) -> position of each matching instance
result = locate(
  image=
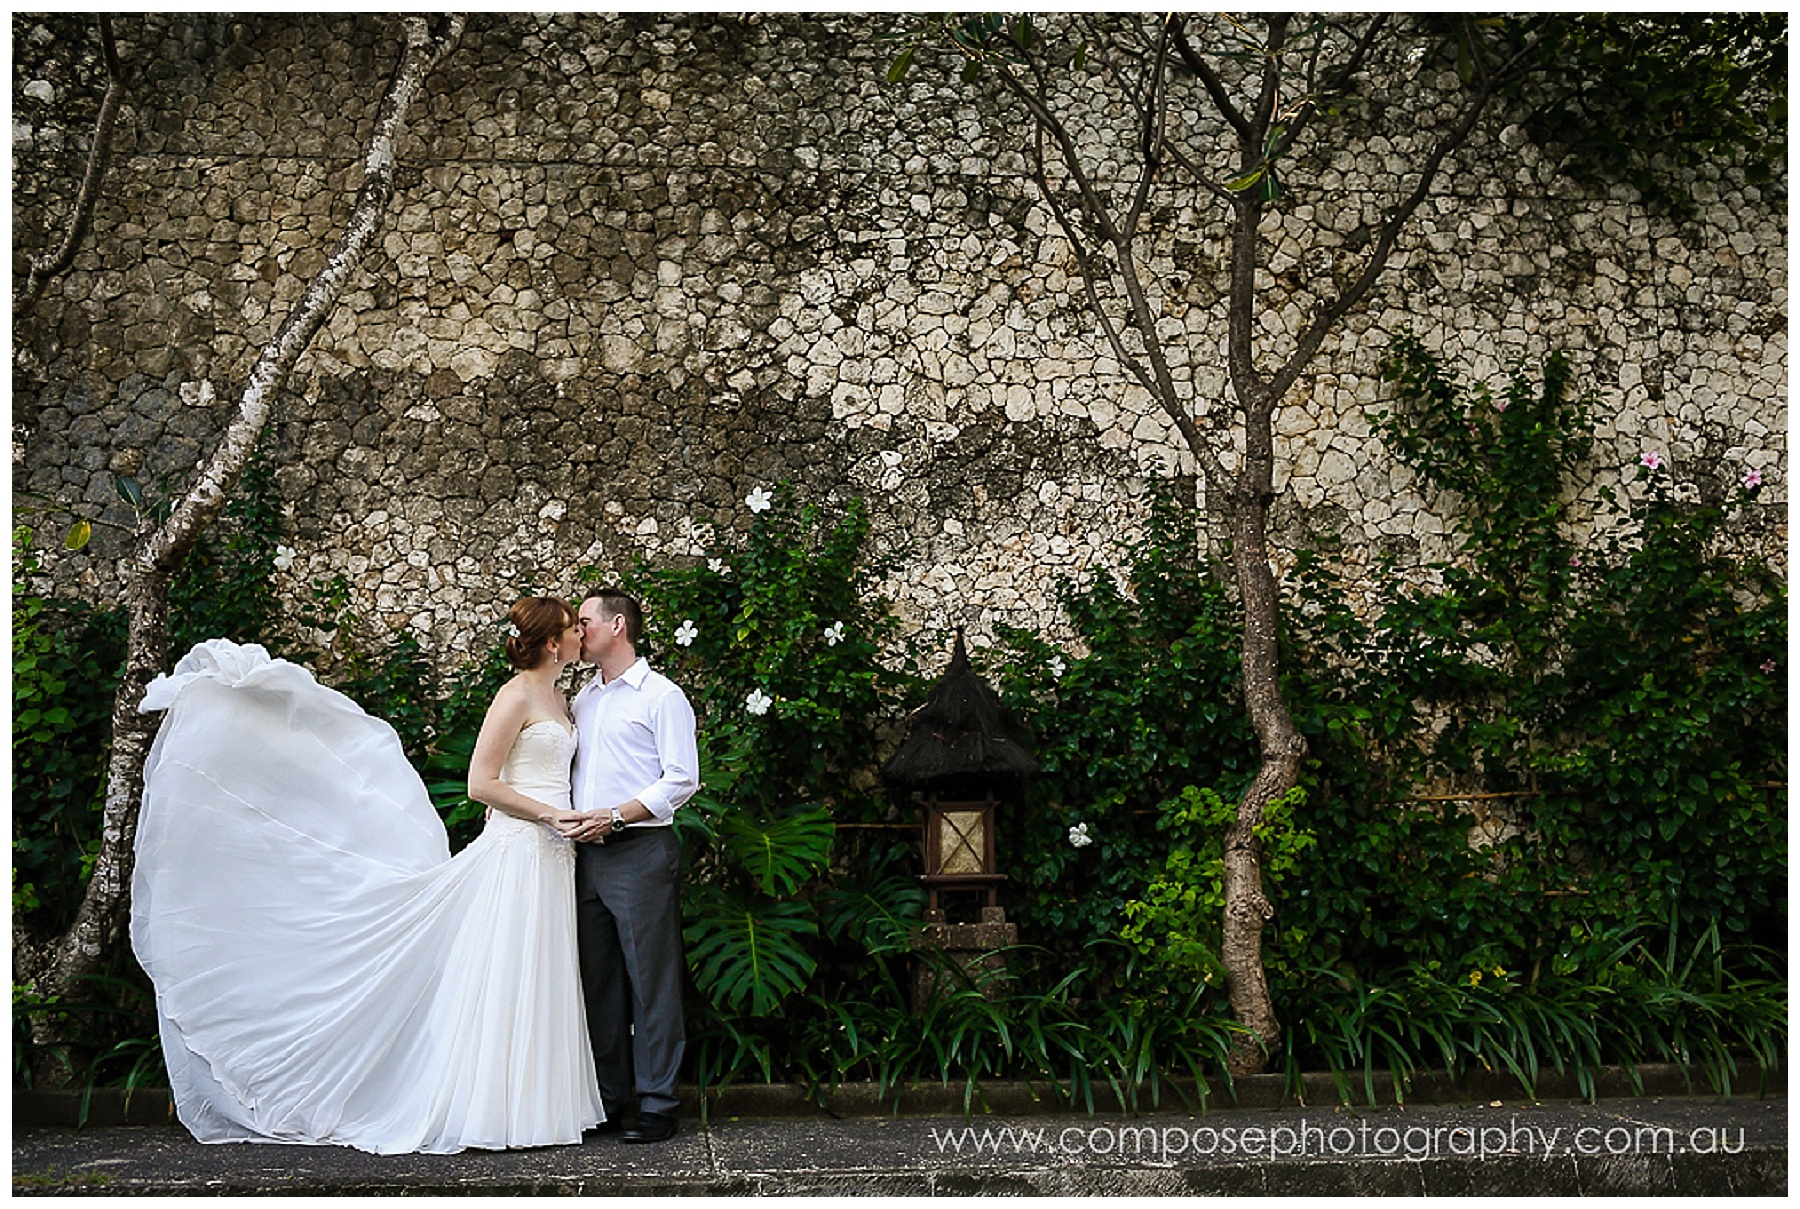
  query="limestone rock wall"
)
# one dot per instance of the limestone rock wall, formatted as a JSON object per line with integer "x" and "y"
{"x": 641, "y": 265}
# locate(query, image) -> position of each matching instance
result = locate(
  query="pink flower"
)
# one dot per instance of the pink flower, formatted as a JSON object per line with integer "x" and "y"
{"x": 1753, "y": 480}
{"x": 1574, "y": 560}
{"x": 1652, "y": 459}
{"x": 1768, "y": 667}
{"x": 1499, "y": 404}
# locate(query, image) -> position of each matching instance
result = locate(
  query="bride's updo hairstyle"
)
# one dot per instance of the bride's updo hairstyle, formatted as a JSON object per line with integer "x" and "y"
{"x": 534, "y": 622}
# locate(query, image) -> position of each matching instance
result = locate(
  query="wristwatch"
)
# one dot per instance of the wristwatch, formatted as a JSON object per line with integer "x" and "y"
{"x": 618, "y": 820}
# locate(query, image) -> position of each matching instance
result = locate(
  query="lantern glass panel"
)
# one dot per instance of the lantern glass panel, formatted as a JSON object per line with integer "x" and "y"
{"x": 962, "y": 841}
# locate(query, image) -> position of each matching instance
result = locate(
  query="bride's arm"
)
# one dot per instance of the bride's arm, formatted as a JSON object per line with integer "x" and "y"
{"x": 499, "y": 731}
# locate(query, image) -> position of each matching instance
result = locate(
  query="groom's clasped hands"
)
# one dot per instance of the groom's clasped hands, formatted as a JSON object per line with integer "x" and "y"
{"x": 583, "y": 827}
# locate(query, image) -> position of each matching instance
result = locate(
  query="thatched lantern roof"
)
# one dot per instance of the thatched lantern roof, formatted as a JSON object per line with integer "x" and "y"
{"x": 962, "y": 739}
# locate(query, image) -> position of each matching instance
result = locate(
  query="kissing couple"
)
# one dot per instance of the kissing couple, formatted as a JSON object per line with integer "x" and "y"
{"x": 327, "y": 973}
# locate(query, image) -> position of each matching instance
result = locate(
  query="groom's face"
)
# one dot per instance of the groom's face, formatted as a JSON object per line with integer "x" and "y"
{"x": 598, "y": 631}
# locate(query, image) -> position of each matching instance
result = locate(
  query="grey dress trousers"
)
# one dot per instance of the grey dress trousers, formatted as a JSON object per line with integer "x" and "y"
{"x": 628, "y": 930}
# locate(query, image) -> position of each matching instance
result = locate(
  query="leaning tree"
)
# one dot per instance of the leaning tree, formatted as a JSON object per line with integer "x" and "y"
{"x": 158, "y": 549}
{"x": 1132, "y": 124}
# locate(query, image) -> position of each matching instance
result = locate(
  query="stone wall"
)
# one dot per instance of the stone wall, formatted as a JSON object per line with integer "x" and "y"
{"x": 638, "y": 266}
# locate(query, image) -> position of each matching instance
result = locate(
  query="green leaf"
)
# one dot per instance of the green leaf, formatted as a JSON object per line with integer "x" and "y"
{"x": 79, "y": 533}
{"x": 783, "y": 853}
{"x": 900, "y": 66}
{"x": 749, "y": 952}
{"x": 130, "y": 491}
{"x": 1246, "y": 179}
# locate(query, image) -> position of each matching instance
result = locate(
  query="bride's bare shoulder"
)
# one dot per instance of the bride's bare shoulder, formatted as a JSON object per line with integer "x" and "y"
{"x": 510, "y": 700}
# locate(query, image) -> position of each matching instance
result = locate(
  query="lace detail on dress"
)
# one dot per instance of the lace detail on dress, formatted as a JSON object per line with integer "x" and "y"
{"x": 538, "y": 767}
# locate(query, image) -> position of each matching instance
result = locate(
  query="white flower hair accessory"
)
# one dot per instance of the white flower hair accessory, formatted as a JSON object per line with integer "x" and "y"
{"x": 512, "y": 630}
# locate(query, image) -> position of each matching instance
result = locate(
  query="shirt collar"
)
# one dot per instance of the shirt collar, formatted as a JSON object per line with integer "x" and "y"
{"x": 633, "y": 675}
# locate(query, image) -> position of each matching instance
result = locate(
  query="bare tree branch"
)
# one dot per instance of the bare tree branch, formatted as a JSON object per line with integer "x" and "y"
{"x": 1039, "y": 108}
{"x": 1156, "y": 379}
{"x": 1270, "y": 96}
{"x": 1328, "y": 314}
{"x": 43, "y": 268}
{"x": 1155, "y": 120}
{"x": 1215, "y": 87}
{"x": 1340, "y": 80}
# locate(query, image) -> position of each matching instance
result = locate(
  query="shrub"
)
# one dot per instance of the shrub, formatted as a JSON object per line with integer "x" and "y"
{"x": 1150, "y": 707}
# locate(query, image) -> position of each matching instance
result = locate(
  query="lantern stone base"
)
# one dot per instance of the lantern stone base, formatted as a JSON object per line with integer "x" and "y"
{"x": 974, "y": 947}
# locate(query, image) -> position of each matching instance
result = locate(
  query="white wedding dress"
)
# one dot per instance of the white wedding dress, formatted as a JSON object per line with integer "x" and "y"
{"x": 326, "y": 972}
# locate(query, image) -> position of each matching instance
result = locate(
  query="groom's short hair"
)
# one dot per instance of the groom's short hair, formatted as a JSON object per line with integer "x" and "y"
{"x": 617, "y": 603}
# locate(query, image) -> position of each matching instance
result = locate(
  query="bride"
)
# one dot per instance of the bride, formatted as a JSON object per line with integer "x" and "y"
{"x": 325, "y": 971}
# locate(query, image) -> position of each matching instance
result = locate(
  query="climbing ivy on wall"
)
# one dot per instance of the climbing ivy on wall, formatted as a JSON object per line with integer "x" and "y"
{"x": 1600, "y": 724}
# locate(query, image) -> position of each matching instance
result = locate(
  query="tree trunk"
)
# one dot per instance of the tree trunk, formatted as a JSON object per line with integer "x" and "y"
{"x": 153, "y": 564}
{"x": 1282, "y": 748}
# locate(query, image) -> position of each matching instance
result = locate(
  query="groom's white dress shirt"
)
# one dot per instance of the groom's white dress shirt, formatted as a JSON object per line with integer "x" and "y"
{"x": 637, "y": 741}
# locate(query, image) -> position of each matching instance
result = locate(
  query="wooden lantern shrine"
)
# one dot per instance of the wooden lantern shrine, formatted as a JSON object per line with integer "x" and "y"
{"x": 963, "y": 755}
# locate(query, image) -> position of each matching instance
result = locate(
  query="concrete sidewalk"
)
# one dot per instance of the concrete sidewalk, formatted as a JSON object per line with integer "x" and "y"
{"x": 1689, "y": 1146}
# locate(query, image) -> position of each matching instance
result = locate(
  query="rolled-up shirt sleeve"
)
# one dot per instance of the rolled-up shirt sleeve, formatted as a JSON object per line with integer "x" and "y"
{"x": 678, "y": 749}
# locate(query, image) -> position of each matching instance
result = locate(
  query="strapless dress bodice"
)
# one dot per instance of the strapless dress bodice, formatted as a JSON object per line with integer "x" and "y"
{"x": 539, "y": 762}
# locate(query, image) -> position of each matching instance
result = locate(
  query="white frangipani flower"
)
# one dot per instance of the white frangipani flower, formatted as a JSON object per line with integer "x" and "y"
{"x": 686, "y": 633}
{"x": 284, "y": 557}
{"x": 758, "y": 702}
{"x": 717, "y": 566}
{"x": 759, "y": 500}
{"x": 834, "y": 633}
{"x": 1079, "y": 837}
{"x": 1057, "y": 666}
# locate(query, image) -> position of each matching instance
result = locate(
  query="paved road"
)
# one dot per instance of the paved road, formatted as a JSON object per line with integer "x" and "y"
{"x": 1673, "y": 1145}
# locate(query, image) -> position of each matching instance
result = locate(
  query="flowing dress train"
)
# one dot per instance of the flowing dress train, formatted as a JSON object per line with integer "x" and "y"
{"x": 325, "y": 971}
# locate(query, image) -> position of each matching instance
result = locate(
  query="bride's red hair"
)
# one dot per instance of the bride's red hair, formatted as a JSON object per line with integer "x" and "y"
{"x": 537, "y": 619}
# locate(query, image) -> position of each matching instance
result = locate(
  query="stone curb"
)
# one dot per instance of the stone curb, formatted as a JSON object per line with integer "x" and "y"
{"x": 1759, "y": 1174}
{"x": 107, "y": 1107}
{"x": 1688, "y": 1146}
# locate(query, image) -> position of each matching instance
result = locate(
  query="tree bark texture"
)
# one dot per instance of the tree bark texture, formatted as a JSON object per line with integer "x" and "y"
{"x": 1281, "y": 749}
{"x": 158, "y": 555}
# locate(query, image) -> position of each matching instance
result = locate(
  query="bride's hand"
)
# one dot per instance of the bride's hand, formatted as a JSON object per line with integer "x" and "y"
{"x": 580, "y": 827}
{"x": 565, "y": 821}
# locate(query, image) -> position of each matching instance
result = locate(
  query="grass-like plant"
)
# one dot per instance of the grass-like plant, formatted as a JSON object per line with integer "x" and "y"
{"x": 1700, "y": 1012}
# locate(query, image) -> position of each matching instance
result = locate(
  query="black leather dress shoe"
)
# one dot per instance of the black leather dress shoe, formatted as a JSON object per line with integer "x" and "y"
{"x": 651, "y": 1127}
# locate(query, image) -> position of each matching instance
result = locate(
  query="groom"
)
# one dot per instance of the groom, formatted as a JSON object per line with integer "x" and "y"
{"x": 636, "y": 761}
